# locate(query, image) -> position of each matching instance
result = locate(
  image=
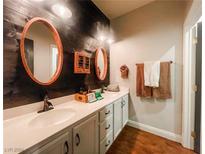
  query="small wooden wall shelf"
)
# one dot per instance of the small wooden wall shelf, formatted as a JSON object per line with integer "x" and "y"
{"x": 81, "y": 62}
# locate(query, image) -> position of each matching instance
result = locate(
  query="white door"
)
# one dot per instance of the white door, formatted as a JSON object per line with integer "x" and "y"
{"x": 85, "y": 137}
{"x": 117, "y": 117}
{"x": 125, "y": 110}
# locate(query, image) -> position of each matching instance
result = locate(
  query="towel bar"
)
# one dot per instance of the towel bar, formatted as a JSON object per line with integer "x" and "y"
{"x": 169, "y": 61}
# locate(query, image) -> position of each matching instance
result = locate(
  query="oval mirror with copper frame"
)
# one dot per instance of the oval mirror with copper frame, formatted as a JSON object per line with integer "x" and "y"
{"x": 41, "y": 51}
{"x": 101, "y": 63}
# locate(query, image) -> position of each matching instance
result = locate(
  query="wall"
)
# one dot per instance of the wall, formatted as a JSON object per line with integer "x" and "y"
{"x": 76, "y": 33}
{"x": 150, "y": 33}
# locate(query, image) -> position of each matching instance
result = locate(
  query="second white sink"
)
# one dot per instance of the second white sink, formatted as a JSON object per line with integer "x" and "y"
{"x": 52, "y": 117}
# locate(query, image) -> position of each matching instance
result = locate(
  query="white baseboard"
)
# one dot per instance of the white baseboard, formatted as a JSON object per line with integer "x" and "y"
{"x": 156, "y": 131}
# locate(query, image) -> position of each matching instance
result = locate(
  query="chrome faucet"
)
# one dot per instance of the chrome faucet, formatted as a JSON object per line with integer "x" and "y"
{"x": 47, "y": 105}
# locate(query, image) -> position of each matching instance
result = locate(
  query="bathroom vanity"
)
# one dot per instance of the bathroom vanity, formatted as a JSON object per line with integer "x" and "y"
{"x": 71, "y": 127}
{"x": 64, "y": 125}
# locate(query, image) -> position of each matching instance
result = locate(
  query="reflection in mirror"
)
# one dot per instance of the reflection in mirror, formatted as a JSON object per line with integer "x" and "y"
{"x": 100, "y": 66}
{"x": 41, "y": 52}
{"x": 101, "y": 63}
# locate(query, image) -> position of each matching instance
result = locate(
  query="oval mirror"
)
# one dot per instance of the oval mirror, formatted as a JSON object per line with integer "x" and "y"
{"x": 101, "y": 63}
{"x": 41, "y": 51}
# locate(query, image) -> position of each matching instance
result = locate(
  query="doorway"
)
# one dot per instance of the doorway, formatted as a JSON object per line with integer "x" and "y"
{"x": 198, "y": 73}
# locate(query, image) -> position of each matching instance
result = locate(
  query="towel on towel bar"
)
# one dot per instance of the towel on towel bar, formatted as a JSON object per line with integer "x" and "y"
{"x": 142, "y": 90}
{"x": 164, "y": 89}
{"x": 151, "y": 74}
{"x": 161, "y": 92}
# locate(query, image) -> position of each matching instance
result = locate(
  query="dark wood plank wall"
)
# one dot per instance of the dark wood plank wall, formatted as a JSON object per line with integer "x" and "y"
{"x": 78, "y": 32}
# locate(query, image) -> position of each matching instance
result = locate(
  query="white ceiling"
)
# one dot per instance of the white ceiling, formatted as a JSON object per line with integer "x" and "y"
{"x": 115, "y": 8}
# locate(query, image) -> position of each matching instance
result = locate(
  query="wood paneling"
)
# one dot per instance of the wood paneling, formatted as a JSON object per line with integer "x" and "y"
{"x": 135, "y": 141}
{"x": 76, "y": 33}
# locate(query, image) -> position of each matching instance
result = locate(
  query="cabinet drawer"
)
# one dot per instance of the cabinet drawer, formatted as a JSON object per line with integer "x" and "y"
{"x": 106, "y": 126}
{"x": 106, "y": 143}
{"x": 106, "y": 112}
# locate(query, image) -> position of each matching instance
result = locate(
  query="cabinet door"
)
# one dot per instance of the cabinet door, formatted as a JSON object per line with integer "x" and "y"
{"x": 117, "y": 117}
{"x": 125, "y": 110}
{"x": 85, "y": 137}
{"x": 60, "y": 145}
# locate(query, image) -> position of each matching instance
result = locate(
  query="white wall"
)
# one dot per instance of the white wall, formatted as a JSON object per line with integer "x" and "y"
{"x": 153, "y": 32}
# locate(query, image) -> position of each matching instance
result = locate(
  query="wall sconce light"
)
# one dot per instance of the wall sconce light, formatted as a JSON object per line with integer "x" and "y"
{"x": 102, "y": 38}
{"x": 61, "y": 11}
{"x": 110, "y": 41}
{"x": 104, "y": 33}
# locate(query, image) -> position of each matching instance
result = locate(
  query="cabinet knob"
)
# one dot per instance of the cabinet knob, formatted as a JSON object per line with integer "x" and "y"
{"x": 66, "y": 147}
{"x": 107, "y": 112}
{"x": 108, "y": 143}
{"x": 108, "y": 127}
{"x": 77, "y": 139}
{"x": 123, "y": 103}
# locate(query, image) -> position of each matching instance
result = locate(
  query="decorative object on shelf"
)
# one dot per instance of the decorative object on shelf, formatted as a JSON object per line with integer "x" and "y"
{"x": 101, "y": 63}
{"x": 81, "y": 62}
{"x": 87, "y": 96}
{"x": 98, "y": 95}
{"x": 91, "y": 97}
{"x": 81, "y": 97}
{"x": 124, "y": 71}
{"x": 42, "y": 60}
{"x": 113, "y": 88}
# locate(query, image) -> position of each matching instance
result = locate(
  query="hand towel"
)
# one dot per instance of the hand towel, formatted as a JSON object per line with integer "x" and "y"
{"x": 164, "y": 89}
{"x": 152, "y": 74}
{"x": 142, "y": 91}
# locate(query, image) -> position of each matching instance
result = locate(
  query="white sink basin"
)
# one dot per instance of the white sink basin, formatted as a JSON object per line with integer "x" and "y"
{"x": 52, "y": 117}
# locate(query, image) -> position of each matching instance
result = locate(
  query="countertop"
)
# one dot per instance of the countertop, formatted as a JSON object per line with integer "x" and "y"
{"x": 19, "y": 135}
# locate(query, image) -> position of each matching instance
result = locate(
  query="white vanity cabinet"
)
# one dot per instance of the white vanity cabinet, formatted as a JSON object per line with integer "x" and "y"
{"x": 59, "y": 145}
{"x": 106, "y": 128}
{"x": 85, "y": 136}
{"x": 120, "y": 114}
{"x": 91, "y": 135}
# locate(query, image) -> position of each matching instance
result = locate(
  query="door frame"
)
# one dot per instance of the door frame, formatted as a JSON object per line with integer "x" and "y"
{"x": 187, "y": 105}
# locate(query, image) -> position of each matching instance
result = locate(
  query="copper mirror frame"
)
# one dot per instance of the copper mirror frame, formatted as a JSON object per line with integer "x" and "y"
{"x": 57, "y": 39}
{"x": 105, "y": 64}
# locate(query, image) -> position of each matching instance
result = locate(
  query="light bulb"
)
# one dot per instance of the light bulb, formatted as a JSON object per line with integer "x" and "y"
{"x": 102, "y": 38}
{"x": 110, "y": 41}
